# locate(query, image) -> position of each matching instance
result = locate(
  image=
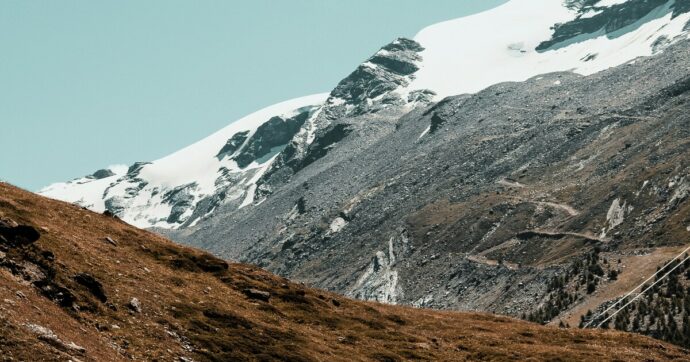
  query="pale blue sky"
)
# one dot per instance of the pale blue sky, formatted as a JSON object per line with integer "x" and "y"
{"x": 86, "y": 84}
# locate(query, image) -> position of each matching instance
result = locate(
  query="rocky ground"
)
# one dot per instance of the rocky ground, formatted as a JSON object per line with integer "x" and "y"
{"x": 479, "y": 201}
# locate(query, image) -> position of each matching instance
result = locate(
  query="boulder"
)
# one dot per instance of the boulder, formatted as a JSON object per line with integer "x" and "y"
{"x": 17, "y": 235}
{"x": 135, "y": 305}
{"x": 48, "y": 336}
{"x": 261, "y": 295}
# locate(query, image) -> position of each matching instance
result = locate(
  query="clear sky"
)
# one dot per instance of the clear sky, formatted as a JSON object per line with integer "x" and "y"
{"x": 87, "y": 84}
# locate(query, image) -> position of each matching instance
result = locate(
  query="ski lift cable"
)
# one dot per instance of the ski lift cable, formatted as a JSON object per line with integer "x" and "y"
{"x": 637, "y": 287}
{"x": 644, "y": 291}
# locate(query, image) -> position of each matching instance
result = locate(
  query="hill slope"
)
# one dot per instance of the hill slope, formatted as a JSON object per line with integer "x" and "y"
{"x": 93, "y": 288}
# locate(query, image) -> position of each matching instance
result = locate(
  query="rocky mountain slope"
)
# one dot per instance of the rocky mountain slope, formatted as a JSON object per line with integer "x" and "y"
{"x": 478, "y": 201}
{"x": 425, "y": 178}
{"x": 80, "y": 286}
{"x": 508, "y": 43}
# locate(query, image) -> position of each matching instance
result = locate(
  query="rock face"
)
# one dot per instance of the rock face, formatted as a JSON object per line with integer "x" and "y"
{"x": 257, "y": 294}
{"x": 594, "y": 20}
{"x": 375, "y": 92}
{"x": 50, "y": 337}
{"x": 135, "y": 305}
{"x": 233, "y": 144}
{"x": 101, "y": 174}
{"x": 17, "y": 235}
{"x": 389, "y": 69}
{"x": 275, "y": 133}
{"x": 379, "y": 282}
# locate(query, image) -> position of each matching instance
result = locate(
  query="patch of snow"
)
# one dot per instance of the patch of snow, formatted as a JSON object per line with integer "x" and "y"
{"x": 142, "y": 196}
{"x": 609, "y": 3}
{"x": 590, "y": 13}
{"x": 485, "y": 55}
{"x": 249, "y": 199}
{"x": 370, "y": 65}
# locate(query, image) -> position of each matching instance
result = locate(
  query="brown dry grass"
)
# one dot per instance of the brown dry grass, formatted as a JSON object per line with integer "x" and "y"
{"x": 192, "y": 308}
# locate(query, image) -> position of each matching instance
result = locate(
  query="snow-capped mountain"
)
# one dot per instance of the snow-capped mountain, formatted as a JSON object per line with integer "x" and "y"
{"x": 248, "y": 160}
{"x": 179, "y": 189}
{"x": 524, "y": 38}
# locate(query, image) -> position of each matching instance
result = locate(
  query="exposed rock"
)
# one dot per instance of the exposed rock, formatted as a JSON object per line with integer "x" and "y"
{"x": 181, "y": 199}
{"x": 109, "y": 213}
{"x": 103, "y": 173}
{"x": 233, "y": 144}
{"x": 135, "y": 168}
{"x": 276, "y": 132}
{"x": 257, "y": 294}
{"x": 135, "y": 305}
{"x": 616, "y": 215}
{"x": 110, "y": 240}
{"x": 323, "y": 144}
{"x": 48, "y": 336}
{"x": 369, "y": 90}
{"x": 608, "y": 20}
{"x": 379, "y": 282}
{"x": 337, "y": 224}
{"x": 6, "y": 223}
{"x": 383, "y": 72}
{"x": 56, "y": 292}
{"x": 17, "y": 235}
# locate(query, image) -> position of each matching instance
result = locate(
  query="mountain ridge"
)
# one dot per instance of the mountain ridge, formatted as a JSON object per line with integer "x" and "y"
{"x": 413, "y": 73}
{"x": 514, "y": 172}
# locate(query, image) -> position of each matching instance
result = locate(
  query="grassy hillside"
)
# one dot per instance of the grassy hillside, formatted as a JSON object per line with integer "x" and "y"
{"x": 84, "y": 286}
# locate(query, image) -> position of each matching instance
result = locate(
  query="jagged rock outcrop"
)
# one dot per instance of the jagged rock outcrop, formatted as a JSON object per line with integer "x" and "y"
{"x": 594, "y": 21}
{"x": 375, "y": 89}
